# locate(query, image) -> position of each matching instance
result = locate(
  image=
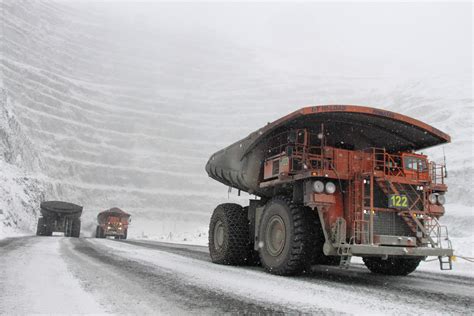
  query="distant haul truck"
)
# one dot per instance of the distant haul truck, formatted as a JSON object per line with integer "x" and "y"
{"x": 332, "y": 182}
{"x": 113, "y": 222}
{"x": 57, "y": 216}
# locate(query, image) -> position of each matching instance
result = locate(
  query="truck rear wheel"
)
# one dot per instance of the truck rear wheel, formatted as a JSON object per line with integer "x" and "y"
{"x": 100, "y": 232}
{"x": 392, "y": 265}
{"x": 285, "y": 237}
{"x": 229, "y": 236}
{"x": 40, "y": 229}
{"x": 76, "y": 227}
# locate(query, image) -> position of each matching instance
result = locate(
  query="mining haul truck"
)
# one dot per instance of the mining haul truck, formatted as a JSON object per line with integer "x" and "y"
{"x": 332, "y": 182}
{"x": 113, "y": 222}
{"x": 57, "y": 216}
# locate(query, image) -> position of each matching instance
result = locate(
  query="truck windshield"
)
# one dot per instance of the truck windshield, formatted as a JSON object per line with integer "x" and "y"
{"x": 415, "y": 163}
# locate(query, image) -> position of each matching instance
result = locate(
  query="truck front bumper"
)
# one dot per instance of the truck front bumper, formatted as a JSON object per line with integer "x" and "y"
{"x": 113, "y": 233}
{"x": 374, "y": 250}
{"x": 380, "y": 251}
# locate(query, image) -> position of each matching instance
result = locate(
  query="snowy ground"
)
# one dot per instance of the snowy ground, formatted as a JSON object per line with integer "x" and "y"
{"x": 145, "y": 277}
{"x": 36, "y": 279}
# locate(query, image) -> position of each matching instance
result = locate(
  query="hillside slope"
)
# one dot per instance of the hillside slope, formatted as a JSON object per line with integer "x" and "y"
{"x": 113, "y": 112}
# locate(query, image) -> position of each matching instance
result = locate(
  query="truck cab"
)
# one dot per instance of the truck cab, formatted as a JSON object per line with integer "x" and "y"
{"x": 415, "y": 166}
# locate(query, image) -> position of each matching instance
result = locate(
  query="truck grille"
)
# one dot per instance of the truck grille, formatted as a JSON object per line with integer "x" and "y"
{"x": 390, "y": 223}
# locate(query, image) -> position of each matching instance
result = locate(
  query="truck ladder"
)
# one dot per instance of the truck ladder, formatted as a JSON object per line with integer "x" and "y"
{"x": 430, "y": 230}
{"x": 441, "y": 235}
{"x": 359, "y": 224}
{"x": 436, "y": 234}
{"x": 345, "y": 257}
{"x": 388, "y": 188}
{"x": 340, "y": 242}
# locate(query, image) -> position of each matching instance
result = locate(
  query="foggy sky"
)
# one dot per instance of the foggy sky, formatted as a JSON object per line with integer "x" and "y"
{"x": 331, "y": 39}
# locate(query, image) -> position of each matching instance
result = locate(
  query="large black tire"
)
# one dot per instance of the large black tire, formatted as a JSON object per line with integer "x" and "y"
{"x": 76, "y": 227}
{"x": 392, "y": 266}
{"x": 317, "y": 241}
{"x": 97, "y": 232}
{"x": 101, "y": 232}
{"x": 67, "y": 227}
{"x": 229, "y": 238}
{"x": 40, "y": 229}
{"x": 47, "y": 228}
{"x": 125, "y": 234}
{"x": 286, "y": 237}
{"x": 254, "y": 258}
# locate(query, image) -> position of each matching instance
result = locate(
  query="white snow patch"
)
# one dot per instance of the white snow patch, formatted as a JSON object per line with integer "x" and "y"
{"x": 37, "y": 281}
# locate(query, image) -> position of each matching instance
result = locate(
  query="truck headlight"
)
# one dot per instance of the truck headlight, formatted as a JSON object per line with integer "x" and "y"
{"x": 441, "y": 199}
{"x": 318, "y": 186}
{"x": 432, "y": 198}
{"x": 330, "y": 188}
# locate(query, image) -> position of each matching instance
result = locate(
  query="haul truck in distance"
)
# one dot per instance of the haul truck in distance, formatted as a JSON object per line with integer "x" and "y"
{"x": 113, "y": 222}
{"x": 57, "y": 216}
{"x": 333, "y": 182}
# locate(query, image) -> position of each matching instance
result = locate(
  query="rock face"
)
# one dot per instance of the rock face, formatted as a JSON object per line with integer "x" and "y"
{"x": 21, "y": 188}
{"x": 102, "y": 107}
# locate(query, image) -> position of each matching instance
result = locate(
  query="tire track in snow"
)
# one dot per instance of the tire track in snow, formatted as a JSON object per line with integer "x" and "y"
{"x": 323, "y": 297}
{"x": 195, "y": 252}
{"x": 444, "y": 293}
{"x": 34, "y": 279}
{"x": 146, "y": 289}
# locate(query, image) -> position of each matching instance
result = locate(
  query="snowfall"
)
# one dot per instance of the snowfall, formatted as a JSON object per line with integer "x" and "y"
{"x": 120, "y": 104}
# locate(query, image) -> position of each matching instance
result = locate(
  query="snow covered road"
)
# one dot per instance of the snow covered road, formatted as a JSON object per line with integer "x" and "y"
{"x": 64, "y": 275}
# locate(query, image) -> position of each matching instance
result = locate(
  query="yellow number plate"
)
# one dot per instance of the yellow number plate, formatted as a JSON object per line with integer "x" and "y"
{"x": 397, "y": 201}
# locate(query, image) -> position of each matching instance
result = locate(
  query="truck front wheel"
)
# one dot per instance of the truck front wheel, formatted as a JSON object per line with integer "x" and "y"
{"x": 392, "y": 265}
{"x": 229, "y": 235}
{"x": 285, "y": 237}
{"x": 76, "y": 227}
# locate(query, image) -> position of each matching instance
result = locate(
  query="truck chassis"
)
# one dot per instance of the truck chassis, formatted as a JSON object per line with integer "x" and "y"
{"x": 326, "y": 196}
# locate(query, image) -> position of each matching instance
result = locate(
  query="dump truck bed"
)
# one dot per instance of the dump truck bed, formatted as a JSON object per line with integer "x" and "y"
{"x": 60, "y": 208}
{"x": 356, "y": 127}
{"x": 115, "y": 211}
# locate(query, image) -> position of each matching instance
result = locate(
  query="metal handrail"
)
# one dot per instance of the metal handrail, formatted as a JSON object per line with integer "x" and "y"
{"x": 437, "y": 173}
